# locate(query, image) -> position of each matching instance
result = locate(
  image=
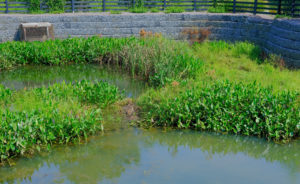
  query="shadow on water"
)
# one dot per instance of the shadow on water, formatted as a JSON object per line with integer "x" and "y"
{"x": 157, "y": 156}
{"x": 37, "y": 76}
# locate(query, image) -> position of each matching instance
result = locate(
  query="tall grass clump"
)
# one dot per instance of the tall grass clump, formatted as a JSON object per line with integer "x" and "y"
{"x": 58, "y": 114}
{"x": 158, "y": 60}
{"x": 151, "y": 58}
{"x": 228, "y": 107}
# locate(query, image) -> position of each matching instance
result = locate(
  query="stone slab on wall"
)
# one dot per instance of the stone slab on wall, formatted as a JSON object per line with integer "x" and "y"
{"x": 279, "y": 36}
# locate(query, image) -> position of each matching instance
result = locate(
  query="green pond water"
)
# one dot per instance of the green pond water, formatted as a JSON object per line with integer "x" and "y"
{"x": 133, "y": 155}
{"x": 37, "y": 76}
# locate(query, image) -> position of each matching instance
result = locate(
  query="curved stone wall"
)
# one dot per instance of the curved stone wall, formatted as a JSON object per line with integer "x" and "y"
{"x": 279, "y": 36}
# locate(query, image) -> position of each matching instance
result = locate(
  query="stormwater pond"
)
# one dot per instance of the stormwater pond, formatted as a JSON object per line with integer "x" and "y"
{"x": 135, "y": 155}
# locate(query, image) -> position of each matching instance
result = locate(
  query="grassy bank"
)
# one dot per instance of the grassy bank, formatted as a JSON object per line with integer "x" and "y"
{"x": 237, "y": 91}
{"x": 58, "y": 114}
{"x": 244, "y": 62}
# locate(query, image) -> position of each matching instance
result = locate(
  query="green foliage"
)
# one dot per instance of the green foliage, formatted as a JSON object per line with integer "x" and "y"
{"x": 217, "y": 9}
{"x": 139, "y": 4}
{"x": 243, "y": 62}
{"x": 100, "y": 93}
{"x": 238, "y": 49}
{"x": 175, "y": 9}
{"x": 221, "y": 6}
{"x": 154, "y": 10}
{"x": 139, "y": 56}
{"x": 115, "y": 12}
{"x": 23, "y": 131}
{"x": 283, "y": 16}
{"x": 138, "y": 7}
{"x": 228, "y": 107}
{"x": 56, "y": 6}
{"x": 5, "y": 94}
{"x": 176, "y": 60}
{"x": 34, "y": 6}
{"x": 138, "y": 10}
{"x": 60, "y": 113}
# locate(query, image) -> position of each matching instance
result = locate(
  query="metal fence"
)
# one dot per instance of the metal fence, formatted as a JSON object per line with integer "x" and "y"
{"x": 286, "y": 7}
{"x": 273, "y": 7}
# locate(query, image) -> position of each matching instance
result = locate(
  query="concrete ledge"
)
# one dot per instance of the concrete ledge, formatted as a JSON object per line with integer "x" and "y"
{"x": 279, "y": 36}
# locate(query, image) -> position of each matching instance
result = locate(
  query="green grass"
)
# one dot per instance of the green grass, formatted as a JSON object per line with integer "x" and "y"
{"x": 174, "y": 10}
{"x": 218, "y": 9}
{"x": 283, "y": 16}
{"x": 59, "y": 114}
{"x": 241, "y": 62}
{"x": 138, "y": 10}
{"x": 154, "y": 10}
{"x": 115, "y": 12}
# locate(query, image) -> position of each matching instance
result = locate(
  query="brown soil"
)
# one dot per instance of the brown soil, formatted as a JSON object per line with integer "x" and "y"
{"x": 130, "y": 110}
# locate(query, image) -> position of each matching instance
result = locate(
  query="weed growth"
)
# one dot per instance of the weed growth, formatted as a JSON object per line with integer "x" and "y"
{"x": 174, "y": 10}
{"x": 115, "y": 12}
{"x": 154, "y": 10}
{"x": 138, "y": 10}
{"x": 218, "y": 9}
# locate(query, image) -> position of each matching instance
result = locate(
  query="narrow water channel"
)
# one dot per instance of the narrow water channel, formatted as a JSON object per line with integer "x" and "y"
{"x": 132, "y": 155}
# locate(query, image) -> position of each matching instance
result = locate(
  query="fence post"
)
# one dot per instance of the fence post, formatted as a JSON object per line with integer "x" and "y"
{"x": 164, "y": 5}
{"x": 293, "y": 8}
{"x": 73, "y": 5}
{"x": 194, "y": 5}
{"x": 41, "y": 5}
{"x": 234, "y": 6}
{"x": 255, "y": 7}
{"x": 279, "y": 7}
{"x": 6, "y": 6}
{"x": 103, "y": 6}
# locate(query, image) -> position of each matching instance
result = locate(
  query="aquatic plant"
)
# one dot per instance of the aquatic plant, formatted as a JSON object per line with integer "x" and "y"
{"x": 228, "y": 107}
{"x": 5, "y": 94}
{"x": 61, "y": 113}
{"x": 23, "y": 132}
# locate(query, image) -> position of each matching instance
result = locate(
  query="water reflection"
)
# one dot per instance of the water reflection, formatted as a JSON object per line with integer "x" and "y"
{"x": 156, "y": 156}
{"x": 36, "y": 76}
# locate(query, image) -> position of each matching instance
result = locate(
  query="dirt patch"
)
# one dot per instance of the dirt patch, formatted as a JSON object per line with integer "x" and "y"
{"x": 130, "y": 110}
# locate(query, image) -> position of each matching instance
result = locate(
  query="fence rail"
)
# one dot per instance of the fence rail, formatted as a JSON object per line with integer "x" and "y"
{"x": 273, "y": 7}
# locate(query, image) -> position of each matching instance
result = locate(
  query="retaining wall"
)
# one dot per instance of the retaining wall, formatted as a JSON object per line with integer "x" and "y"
{"x": 279, "y": 36}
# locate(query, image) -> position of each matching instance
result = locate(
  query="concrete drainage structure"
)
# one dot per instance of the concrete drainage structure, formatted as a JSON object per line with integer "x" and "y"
{"x": 279, "y": 36}
{"x": 36, "y": 31}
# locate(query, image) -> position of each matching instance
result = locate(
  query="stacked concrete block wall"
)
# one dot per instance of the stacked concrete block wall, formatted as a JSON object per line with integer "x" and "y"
{"x": 279, "y": 36}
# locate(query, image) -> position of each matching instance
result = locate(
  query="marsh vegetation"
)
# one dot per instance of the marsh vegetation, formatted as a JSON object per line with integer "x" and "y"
{"x": 213, "y": 86}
